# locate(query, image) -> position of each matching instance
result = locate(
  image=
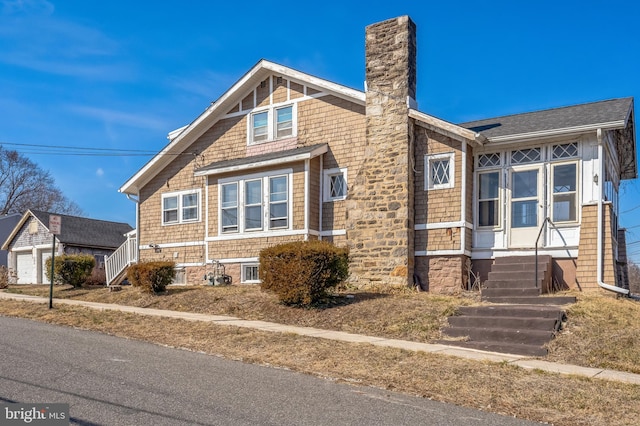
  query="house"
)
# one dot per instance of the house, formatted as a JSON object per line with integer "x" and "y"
{"x": 7, "y": 223}
{"x": 29, "y": 244}
{"x": 283, "y": 155}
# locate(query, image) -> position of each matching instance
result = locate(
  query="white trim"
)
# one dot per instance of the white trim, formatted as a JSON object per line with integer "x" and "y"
{"x": 326, "y": 177}
{"x": 558, "y": 132}
{"x": 333, "y": 233}
{"x": 463, "y": 202}
{"x": 266, "y": 163}
{"x": 442, "y": 225}
{"x": 446, "y": 128}
{"x": 307, "y": 210}
{"x": 442, "y": 253}
{"x": 171, "y": 245}
{"x": 235, "y": 260}
{"x": 451, "y": 157}
{"x": 263, "y": 234}
{"x": 320, "y": 201}
{"x": 559, "y": 252}
{"x": 184, "y": 265}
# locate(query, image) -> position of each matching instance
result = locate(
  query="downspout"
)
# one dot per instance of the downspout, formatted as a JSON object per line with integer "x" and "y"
{"x": 600, "y": 240}
{"x": 463, "y": 203}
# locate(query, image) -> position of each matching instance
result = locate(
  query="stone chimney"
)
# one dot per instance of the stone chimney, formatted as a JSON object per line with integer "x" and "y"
{"x": 380, "y": 205}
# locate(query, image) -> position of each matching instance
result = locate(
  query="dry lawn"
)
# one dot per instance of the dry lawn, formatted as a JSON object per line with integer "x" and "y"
{"x": 601, "y": 332}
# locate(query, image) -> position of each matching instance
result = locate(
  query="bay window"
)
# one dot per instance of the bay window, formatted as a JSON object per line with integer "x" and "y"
{"x": 255, "y": 203}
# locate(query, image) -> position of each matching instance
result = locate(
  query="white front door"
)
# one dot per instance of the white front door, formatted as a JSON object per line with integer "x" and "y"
{"x": 526, "y": 198}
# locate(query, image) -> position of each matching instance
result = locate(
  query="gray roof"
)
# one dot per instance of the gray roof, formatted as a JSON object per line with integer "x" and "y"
{"x": 259, "y": 158}
{"x": 81, "y": 231}
{"x": 609, "y": 111}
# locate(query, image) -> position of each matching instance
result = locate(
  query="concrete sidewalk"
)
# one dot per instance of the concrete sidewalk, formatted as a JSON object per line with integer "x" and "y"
{"x": 473, "y": 354}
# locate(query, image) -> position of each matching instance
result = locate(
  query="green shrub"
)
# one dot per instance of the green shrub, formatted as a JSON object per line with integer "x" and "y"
{"x": 301, "y": 273}
{"x": 71, "y": 269}
{"x": 152, "y": 277}
{"x": 4, "y": 277}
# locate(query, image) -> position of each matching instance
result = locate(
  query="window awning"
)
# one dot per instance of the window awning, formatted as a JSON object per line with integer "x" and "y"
{"x": 263, "y": 160}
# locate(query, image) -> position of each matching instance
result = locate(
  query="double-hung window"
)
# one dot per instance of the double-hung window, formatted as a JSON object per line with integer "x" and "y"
{"x": 439, "y": 171}
{"x": 272, "y": 123}
{"x": 255, "y": 203}
{"x": 181, "y": 207}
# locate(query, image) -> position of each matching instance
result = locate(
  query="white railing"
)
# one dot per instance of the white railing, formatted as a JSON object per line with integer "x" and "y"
{"x": 120, "y": 259}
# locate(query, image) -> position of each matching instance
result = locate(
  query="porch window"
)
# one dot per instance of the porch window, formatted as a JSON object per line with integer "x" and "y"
{"x": 567, "y": 150}
{"x": 524, "y": 156}
{"x": 180, "y": 207}
{"x": 564, "y": 192}
{"x": 488, "y": 199}
{"x": 440, "y": 168}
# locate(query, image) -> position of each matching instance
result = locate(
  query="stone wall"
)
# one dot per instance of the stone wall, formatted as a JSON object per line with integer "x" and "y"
{"x": 447, "y": 274}
{"x": 380, "y": 204}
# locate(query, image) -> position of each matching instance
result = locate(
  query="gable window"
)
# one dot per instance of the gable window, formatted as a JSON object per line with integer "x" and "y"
{"x": 255, "y": 203}
{"x": 488, "y": 160}
{"x": 565, "y": 206}
{"x": 284, "y": 122}
{"x": 335, "y": 184}
{"x": 488, "y": 199}
{"x": 260, "y": 123}
{"x": 272, "y": 123}
{"x": 440, "y": 168}
{"x": 250, "y": 273}
{"x": 180, "y": 207}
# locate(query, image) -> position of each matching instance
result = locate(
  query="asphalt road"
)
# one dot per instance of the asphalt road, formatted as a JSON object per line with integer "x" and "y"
{"x": 114, "y": 381}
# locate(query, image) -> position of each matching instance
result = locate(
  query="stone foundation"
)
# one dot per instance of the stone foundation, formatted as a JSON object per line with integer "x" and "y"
{"x": 443, "y": 274}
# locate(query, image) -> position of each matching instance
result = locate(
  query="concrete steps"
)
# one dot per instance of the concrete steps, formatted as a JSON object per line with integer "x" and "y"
{"x": 524, "y": 318}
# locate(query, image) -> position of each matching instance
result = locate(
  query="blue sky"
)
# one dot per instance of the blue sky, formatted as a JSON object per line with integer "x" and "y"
{"x": 122, "y": 74}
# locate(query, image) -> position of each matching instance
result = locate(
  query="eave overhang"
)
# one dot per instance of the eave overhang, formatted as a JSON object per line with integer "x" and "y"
{"x": 444, "y": 127}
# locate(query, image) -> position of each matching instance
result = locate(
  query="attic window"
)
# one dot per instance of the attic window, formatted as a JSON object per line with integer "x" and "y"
{"x": 272, "y": 124}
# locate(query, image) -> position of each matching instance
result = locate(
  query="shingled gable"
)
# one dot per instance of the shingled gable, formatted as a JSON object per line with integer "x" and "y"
{"x": 80, "y": 231}
{"x": 613, "y": 114}
{"x": 182, "y": 138}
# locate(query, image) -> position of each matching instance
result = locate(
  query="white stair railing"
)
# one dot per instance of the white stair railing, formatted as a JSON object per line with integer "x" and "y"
{"x": 120, "y": 259}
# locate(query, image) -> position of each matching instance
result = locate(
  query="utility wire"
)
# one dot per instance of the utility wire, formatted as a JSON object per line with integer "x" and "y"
{"x": 39, "y": 149}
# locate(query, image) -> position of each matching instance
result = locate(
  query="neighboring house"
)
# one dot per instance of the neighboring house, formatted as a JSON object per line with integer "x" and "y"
{"x": 283, "y": 155}
{"x": 7, "y": 223}
{"x": 30, "y": 242}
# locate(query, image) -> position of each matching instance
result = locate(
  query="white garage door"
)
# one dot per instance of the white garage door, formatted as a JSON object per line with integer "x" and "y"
{"x": 44, "y": 257}
{"x": 24, "y": 267}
